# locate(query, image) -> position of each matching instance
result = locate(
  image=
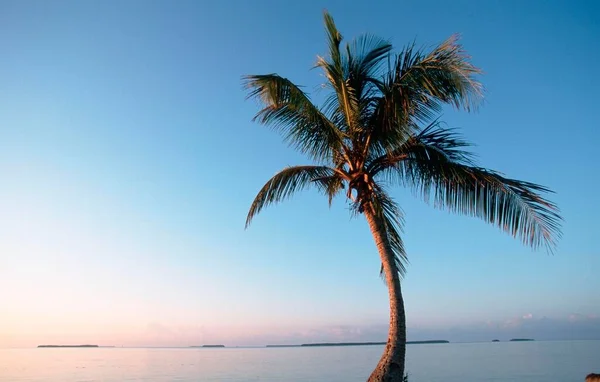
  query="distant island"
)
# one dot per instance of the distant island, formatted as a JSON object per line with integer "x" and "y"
{"x": 373, "y": 343}
{"x": 495, "y": 340}
{"x": 209, "y": 346}
{"x": 68, "y": 346}
{"x": 521, "y": 339}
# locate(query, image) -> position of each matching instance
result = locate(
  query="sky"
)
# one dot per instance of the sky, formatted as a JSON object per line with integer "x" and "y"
{"x": 129, "y": 159}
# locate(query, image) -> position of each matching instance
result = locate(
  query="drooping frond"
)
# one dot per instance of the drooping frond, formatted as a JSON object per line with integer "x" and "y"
{"x": 288, "y": 181}
{"x": 435, "y": 166}
{"x": 330, "y": 186}
{"x": 288, "y": 109}
{"x": 391, "y": 217}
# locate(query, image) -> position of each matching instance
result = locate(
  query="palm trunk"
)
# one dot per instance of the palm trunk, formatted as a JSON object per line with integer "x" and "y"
{"x": 391, "y": 365}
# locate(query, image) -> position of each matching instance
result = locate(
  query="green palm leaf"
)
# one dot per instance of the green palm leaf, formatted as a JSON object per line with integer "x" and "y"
{"x": 335, "y": 70}
{"x": 435, "y": 165}
{"x": 289, "y": 110}
{"x": 417, "y": 86}
{"x": 290, "y": 180}
{"x": 392, "y": 219}
{"x": 443, "y": 75}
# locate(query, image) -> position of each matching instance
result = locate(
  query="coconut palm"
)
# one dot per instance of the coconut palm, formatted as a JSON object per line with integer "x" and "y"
{"x": 377, "y": 128}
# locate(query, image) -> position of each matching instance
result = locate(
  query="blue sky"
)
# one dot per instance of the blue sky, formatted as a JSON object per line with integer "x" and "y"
{"x": 129, "y": 160}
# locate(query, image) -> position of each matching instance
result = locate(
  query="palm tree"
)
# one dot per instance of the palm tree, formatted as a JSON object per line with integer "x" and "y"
{"x": 377, "y": 128}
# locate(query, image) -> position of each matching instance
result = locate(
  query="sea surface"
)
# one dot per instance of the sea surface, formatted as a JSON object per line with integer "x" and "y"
{"x": 538, "y": 361}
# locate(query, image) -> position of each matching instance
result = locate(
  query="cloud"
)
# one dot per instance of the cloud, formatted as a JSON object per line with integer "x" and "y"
{"x": 572, "y": 327}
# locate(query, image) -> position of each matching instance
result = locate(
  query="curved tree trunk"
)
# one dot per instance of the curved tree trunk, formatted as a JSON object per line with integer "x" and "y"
{"x": 391, "y": 364}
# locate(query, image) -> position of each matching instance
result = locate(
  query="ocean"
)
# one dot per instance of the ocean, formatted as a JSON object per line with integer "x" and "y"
{"x": 537, "y": 361}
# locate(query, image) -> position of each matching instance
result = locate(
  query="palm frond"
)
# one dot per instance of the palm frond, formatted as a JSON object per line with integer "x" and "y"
{"x": 436, "y": 167}
{"x": 393, "y": 221}
{"x": 333, "y": 67}
{"x": 365, "y": 56}
{"x": 417, "y": 86}
{"x": 288, "y": 181}
{"x": 330, "y": 186}
{"x": 443, "y": 75}
{"x": 334, "y": 38}
{"x": 391, "y": 217}
{"x": 336, "y": 71}
{"x": 289, "y": 110}
{"x": 446, "y": 142}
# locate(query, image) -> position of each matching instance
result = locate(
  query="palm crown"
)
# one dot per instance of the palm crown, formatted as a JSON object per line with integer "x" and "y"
{"x": 378, "y": 127}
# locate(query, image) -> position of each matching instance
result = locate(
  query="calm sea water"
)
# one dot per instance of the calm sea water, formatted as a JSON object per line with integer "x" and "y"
{"x": 561, "y": 361}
